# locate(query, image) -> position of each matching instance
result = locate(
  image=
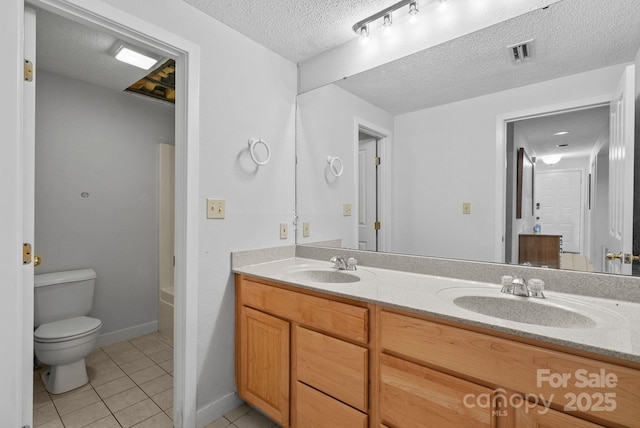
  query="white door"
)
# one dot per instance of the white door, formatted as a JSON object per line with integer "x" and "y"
{"x": 367, "y": 195}
{"x": 559, "y": 194}
{"x": 621, "y": 145}
{"x": 28, "y": 192}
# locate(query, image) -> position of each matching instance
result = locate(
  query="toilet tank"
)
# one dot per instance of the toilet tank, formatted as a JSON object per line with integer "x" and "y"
{"x": 63, "y": 295}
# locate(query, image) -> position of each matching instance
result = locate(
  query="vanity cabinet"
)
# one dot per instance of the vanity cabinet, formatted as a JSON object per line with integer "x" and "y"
{"x": 485, "y": 372}
{"x": 302, "y": 358}
{"x": 307, "y": 359}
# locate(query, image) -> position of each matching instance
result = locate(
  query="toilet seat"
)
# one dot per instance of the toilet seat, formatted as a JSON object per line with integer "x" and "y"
{"x": 66, "y": 330}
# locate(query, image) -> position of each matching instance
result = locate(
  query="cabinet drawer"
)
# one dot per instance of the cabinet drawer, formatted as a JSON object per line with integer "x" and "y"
{"x": 335, "y": 367}
{"x": 415, "y": 396}
{"x": 315, "y": 409}
{"x": 337, "y": 318}
{"x": 516, "y": 366}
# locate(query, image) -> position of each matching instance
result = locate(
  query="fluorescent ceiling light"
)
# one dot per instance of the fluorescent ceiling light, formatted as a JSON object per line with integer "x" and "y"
{"x": 561, "y": 133}
{"x": 133, "y": 57}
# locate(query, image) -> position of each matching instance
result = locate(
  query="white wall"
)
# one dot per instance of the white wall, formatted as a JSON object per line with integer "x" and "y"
{"x": 246, "y": 91}
{"x": 327, "y": 126}
{"x": 105, "y": 143}
{"x": 446, "y": 155}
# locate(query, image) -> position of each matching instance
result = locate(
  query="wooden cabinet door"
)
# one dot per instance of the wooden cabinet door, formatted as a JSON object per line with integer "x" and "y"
{"x": 264, "y": 363}
{"x": 415, "y": 396}
{"x": 541, "y": 417}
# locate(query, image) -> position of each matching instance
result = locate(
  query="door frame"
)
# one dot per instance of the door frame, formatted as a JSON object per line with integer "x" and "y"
{"x": 187, "y": 55}
{"x": 384, "y": 137}
{"x": 501, "y": 156}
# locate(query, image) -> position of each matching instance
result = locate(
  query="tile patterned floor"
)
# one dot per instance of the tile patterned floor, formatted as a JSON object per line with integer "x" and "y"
{"x": 130, "y": 385}
{"x": 243, "y": 417}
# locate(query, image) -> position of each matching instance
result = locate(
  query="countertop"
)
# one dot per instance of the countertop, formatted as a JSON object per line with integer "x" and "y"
{"x": 614, "y": 334}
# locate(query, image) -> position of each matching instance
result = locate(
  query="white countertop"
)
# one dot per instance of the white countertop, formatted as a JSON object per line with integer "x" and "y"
{"x": 614, "y": 333}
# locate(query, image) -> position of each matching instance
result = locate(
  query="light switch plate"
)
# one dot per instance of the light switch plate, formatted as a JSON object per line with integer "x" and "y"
{"x": 346, "y": 210}
{"x": 283, "y": 230}
{"x": 466, "y": 208}
{"x": 215, "y": 208}
{"x": 306, "y": 229}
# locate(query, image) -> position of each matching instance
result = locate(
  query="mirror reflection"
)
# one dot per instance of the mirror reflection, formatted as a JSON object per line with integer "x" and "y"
{"x": 430, "y": 146}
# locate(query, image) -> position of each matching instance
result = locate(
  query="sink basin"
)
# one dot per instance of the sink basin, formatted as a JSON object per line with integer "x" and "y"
{"x": 525, "y": 311}
{"x": 326, "y": 276}
{"x": 551, "y": 312}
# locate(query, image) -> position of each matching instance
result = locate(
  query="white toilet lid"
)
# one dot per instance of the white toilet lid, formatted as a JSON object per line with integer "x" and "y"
{"x": 67, "y": 328}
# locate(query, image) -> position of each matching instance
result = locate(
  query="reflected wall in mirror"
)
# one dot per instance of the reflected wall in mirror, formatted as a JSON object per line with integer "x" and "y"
{"x": 442, "y": 120}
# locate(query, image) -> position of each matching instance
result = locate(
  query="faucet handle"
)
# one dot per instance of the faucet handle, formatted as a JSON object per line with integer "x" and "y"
{"x": 536, "y": 288}
{"x": 506, "y": 282}
{"x": 351, "y": 263}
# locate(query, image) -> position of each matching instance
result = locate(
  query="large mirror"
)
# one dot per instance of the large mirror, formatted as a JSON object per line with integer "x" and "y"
{"x": 449, "y": 152}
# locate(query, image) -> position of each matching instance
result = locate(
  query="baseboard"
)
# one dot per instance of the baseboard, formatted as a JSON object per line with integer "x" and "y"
{"x": 127, "y": 333}
{"x": 215, "y": 410}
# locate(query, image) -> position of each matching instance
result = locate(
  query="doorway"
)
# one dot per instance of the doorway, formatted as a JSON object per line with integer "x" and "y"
{"x": 569, "y": 184}
{"x": 368, "y": 162}
{"x": 186, "y": 136}
{"x": 373, "y": 157}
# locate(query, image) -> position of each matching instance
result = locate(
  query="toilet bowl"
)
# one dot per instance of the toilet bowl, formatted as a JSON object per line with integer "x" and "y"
{"x": 65, "y": 334}
{"x": 63, "y": 346}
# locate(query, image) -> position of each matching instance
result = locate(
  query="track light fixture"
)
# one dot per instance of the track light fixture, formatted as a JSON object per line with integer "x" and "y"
{"x": 385, "y": 14}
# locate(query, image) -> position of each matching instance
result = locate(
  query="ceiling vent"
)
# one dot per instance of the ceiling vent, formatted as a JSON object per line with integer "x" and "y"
{"x": 521, "y": 51}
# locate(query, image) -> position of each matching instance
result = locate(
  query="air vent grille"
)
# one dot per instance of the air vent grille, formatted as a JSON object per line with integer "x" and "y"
{"x": 521, "y": 52}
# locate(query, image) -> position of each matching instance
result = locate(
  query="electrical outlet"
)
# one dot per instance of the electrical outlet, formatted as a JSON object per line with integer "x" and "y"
{"x": 466, "y": 208}
{"x": 215, "y": 208}
{"x": 305, "y": 229}
{"x": 346, "y": 210}
{"x": 283, "y": 230}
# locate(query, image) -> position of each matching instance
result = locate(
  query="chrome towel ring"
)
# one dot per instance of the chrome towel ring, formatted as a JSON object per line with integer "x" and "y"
{"x": 335, "y": 165}
{"x": 253, "y": 142}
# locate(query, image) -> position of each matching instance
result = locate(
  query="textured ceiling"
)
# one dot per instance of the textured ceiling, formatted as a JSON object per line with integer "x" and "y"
{"x": 571, "y": 36}
{"x": 74, "y": 50}
{"x": 294, "y": 29}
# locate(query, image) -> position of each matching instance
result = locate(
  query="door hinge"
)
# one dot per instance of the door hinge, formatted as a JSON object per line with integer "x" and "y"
{"x": 28, "y": 71}
{"x": 377, "y": 160}
{"x": 376, "y": 225}
{"x": 26, "y": 253}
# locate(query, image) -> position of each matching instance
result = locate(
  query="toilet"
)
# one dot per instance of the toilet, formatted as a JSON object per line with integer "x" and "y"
{"x": 64, "y": 333}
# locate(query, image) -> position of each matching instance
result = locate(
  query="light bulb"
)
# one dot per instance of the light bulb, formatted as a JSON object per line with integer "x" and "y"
{"x": 364, "y": 31}
{"x": 413, "y": 12}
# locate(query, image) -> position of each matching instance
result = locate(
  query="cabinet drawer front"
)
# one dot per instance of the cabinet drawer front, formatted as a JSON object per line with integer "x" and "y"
{"x": 415, "y": 396}
{"x": 315, "y": 409}
{"x": 520, "y": 367}
{"x": 335, "y": 367}
{"x": 337, "y": 318}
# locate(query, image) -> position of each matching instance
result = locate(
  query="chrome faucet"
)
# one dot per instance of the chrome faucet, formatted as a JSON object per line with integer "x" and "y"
{"x": 519, "y": 287}
{"x": 341, "y": 264}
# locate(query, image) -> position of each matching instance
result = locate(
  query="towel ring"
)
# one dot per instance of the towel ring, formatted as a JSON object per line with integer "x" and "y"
{"x": 253, "y": 142}
{"x": 335, "y": 165}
